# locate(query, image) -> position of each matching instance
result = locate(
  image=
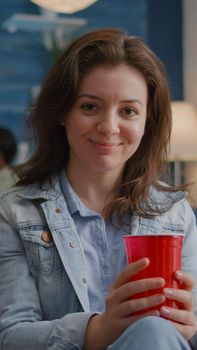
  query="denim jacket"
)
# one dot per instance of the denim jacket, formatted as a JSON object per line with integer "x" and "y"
{"x": 43, "y": 290}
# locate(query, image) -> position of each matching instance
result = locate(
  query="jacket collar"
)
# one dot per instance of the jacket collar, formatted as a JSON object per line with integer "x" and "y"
{"x": 164, "y": 200}
{"x": 48, "y": 190}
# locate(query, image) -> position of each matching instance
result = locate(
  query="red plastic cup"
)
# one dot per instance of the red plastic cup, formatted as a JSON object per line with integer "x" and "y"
{"x": 164, "y": 253}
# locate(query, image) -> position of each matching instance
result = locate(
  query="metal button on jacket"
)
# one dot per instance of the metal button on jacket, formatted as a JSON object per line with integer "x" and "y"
{"x": 47, "y": 236}
{"x": 73, "y": 244}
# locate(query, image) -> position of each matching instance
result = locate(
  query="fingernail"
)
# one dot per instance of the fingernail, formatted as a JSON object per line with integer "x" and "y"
{"x": 159, "y": 282}
{"x": 179, "y": 274}
{"x": 160, "y": 298}
{"x": 164, "y": 310}
{"x": 168, "y": 292}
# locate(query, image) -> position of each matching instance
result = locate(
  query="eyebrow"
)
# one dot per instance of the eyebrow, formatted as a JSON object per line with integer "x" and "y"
{"x": 98, "y": 98}
{"x": 89, "y": 96}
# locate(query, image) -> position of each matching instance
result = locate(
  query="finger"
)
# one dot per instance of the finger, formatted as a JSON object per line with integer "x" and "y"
{"x": 186, "y": 331}
{"x": 186, "y": 280}
{"x": 134, "y": 305}
{"x": 181, "y": 296}
{"x": 130, "y": 289}
{"x": 134, "y": 318}
{"x": 180, "y": 316}
{"x": 129, "y": 271}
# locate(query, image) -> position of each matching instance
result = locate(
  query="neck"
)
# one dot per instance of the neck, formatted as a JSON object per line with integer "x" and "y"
{"x": 93, "y": 188}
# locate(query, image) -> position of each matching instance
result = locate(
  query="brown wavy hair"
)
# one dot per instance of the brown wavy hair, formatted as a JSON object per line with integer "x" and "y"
{"x": 57, "y": 96}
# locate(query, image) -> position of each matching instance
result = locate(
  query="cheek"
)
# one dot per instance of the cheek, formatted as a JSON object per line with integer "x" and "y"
{"x": 135, "y": 133}
{"x": 75, "y": 131}
{"x": 72, "y": 126}
{"x": 70, "y": 133}
{"x": 78, "y": 123}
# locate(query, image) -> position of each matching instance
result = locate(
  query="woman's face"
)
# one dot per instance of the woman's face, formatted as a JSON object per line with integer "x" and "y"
{"x": 106, "y": 124}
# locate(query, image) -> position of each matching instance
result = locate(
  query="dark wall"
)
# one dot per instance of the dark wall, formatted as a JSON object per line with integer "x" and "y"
{"x": 23, "y": 63}
{"x": 130, "y": 15}
{"x": 165, "y": 38}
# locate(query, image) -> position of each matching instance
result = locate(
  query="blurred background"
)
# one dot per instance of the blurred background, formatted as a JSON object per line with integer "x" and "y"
{"x": 33, "y": 33}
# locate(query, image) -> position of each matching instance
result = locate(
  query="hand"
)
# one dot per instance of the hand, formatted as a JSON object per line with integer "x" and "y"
{"x": 104, "y": 329}
{"x": 183, "y": 318}
{"x": 120, "y": 308}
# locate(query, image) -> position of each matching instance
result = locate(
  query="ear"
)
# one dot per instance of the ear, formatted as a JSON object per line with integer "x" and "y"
{"x": 61, "y": 121}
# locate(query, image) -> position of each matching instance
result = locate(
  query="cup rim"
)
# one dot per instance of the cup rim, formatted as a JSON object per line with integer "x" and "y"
{"x": 155, "y": 235}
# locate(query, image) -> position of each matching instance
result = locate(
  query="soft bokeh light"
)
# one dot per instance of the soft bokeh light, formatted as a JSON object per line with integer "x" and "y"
{"x": 64, "y": 6}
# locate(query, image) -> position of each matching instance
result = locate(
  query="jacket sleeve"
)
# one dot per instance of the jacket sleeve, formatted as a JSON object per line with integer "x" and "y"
{"x": 22, "y": 324}
{"x": 189, "y": 253}
{"x": 189, "y": 261}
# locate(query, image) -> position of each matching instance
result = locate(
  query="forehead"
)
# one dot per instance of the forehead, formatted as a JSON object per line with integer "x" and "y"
{"x": 121, "y": 68}
{"x": 121, "y": 79}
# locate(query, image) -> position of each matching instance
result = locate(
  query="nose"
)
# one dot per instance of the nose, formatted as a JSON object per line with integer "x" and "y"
{"x": 109, "y": 124}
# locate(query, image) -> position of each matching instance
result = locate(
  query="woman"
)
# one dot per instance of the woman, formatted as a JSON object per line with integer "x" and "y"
{"x": 102, "y": 124}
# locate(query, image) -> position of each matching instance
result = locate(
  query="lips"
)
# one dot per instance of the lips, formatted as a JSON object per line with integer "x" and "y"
{"x": 105, "y": 148}
{"x": 105, "y": 144}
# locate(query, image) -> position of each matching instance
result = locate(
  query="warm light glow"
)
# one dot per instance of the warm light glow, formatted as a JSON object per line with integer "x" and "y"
{"x": 183, "y": 145}
{"x": 64, "y": 6}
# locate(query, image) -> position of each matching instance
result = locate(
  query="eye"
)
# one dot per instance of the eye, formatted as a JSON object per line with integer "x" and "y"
{"x": 129, "y": 111}
{"x": 88, "y": 107}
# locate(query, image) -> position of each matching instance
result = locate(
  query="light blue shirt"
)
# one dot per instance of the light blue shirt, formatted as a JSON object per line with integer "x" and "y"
{"x": 102, "y": 243}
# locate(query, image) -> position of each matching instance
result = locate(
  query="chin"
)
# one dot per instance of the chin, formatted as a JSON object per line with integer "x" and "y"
{"x": 106, "y": 168}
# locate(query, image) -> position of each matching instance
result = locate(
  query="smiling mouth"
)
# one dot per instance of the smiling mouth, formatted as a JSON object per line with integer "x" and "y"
{"x": 105, "y": 144}
{"x": 105, "y": 147}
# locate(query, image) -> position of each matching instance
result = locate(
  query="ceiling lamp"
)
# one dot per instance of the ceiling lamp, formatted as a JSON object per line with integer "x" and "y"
{"x": 64, "y": 6}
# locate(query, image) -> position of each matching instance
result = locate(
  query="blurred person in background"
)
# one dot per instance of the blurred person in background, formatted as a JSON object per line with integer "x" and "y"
{"x": 8, "y": 150}
{"x": 102, "y": 123}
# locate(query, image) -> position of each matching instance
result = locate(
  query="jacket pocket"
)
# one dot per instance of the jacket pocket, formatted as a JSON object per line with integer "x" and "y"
{"x": 40, "y": 249}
